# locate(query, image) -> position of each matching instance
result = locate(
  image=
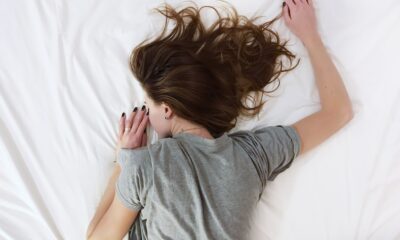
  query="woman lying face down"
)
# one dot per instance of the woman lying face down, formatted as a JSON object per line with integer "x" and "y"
{"x": 201, "y": 182}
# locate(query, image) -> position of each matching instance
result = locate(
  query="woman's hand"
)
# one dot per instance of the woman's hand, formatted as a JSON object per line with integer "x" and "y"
{"x": 132, "y": 130}
{"x": 300, "y": 18}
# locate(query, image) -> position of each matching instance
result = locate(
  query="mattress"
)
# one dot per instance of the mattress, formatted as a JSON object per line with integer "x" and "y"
{"x": 65, "y": 80}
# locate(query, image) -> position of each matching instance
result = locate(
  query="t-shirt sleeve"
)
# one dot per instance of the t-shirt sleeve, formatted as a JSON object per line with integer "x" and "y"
{"x": 272, "y": 149}
{"x": 133, "y": 182}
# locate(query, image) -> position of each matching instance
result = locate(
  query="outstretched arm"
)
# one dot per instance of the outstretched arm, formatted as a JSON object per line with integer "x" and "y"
{"x": 336, "y": 109}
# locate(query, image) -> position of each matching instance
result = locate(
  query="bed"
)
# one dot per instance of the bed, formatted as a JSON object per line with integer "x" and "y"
{"x": 64, "y": 82}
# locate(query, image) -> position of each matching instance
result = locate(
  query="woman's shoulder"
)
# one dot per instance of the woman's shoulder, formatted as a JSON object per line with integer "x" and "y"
{"x": 145, "y": 153}
{"x": 133, "y": 157}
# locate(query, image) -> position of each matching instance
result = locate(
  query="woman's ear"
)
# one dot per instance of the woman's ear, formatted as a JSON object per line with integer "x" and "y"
{"x": 167, "y": 110}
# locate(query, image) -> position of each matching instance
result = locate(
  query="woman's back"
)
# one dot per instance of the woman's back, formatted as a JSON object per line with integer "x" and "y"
{"x": 196, "y": 78}
{"x": 189, "y": 187}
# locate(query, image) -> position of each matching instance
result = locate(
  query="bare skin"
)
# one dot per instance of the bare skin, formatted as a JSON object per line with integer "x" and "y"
{"x": 336, "y": 109}
{"x": 166, "y": 123}
{"x": 112, "y": 220}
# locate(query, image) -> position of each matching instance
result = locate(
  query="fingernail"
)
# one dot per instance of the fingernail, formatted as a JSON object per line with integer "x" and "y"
{"x": 123, "y": 114}
{"x": 135, "y": 109}
{"x": 148, "y": 112}
{"x": 283, "y": 4}
{"x": 143, "y": 107}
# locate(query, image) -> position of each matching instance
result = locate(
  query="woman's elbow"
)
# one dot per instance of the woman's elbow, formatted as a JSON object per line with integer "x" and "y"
{"x": 349, "y": 113}
{"x": 346, "y": 115}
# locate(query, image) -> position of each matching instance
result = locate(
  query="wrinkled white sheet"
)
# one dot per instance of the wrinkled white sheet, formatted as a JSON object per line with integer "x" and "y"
{"x": 64, "y": 82}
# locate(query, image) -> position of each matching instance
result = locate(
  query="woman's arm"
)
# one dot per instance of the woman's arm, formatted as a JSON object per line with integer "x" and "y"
{"x": 333, "y": 94}
{"x": 336, "y": 109}
{"x": 105, "y": 201}
{"x": 112, "y": 219}
{"x": 300, "y": 18}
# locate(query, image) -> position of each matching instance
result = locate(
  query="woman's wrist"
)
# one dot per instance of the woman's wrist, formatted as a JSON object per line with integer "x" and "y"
{"x": 313, "y": 41}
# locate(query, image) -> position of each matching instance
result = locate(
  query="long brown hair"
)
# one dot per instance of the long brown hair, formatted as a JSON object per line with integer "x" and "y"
{"x": 206, "y": 74}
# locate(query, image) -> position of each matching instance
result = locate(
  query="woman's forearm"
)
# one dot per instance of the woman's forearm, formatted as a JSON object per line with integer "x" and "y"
{"x": 332, "y": 91}
{"x": 106, "y": 200}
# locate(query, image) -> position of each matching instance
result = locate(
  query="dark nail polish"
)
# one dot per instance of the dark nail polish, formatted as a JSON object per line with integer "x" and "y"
{"x": 145, "y": 130}
{"x": 148, "y": 112}
{"x": 143, "y": 107}
{"x": 135, "y": 109}
{"x": 283, "y": 4}
{"x": 123, "y": 114}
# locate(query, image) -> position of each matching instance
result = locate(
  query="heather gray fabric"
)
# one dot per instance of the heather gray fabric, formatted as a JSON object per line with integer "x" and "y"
{"x": 189, "y": 187}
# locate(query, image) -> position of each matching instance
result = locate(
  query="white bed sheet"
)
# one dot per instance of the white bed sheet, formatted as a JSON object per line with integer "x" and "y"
{"x": 64, "y": 82}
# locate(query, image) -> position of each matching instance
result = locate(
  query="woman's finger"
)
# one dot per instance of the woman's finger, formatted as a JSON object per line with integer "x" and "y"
{"x": 290, "y": 4}
{"x": 143, "y": 124}
{"x": 121, "y": 126}
{"x": 129, "y": 120}
{"x": 286, "y": 16}
{"x": 138, "y": 119}
{"x": 144, "y": 139}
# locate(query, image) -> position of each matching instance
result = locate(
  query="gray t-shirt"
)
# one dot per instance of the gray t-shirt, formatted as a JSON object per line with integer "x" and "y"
{"x": 190, "y": 187}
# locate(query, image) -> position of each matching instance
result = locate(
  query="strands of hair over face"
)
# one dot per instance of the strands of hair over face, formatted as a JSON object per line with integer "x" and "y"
{"x": 205, "y": 74}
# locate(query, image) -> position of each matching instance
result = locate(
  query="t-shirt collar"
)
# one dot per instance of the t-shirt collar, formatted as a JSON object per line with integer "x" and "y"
{"x": 198, "y": 139}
